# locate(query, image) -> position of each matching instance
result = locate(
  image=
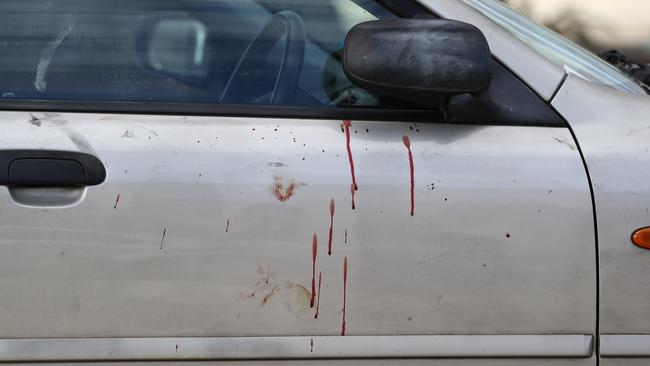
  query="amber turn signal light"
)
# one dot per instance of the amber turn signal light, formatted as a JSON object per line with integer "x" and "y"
{"x": 641, "y": 238}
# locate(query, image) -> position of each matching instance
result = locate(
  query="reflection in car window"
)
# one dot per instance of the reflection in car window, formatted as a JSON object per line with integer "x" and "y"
{"x": 281, "y": 52}
{"x": 556, "y": 48}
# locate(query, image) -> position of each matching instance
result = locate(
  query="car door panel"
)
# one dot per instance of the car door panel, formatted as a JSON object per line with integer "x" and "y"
{"x": 204, "y": 227}
{"x": 615, "y": 142}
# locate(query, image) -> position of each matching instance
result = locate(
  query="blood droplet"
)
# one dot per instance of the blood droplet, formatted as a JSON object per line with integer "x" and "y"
{"x": 352, "y": 191}
{"x": 329, "y": 243}
{"x": 407, "y": 143}
{"x": 116, "y": 201}
{"x": 345, "y": 287}
{"x": 314, "y": 251}
{"x": 346, "y": 127}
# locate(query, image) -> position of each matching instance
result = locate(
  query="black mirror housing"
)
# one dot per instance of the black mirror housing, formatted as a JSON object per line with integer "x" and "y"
{"x": 424, "y": 61}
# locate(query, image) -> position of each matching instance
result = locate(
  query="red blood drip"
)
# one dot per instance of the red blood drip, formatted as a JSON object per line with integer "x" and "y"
{"x": 314, "y": 250}
{"x": 346, "y": 126}
{"x": 116, "y": 201}
{"x": 352, "y": 192}
{"x": 407, "y": 143}
{"x": 329, "y": 243}
{"x": 320, "y": 282}
{"x": 345, "y": 281}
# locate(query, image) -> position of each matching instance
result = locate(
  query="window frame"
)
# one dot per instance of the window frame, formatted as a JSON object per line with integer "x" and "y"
{"x": 402, "y": 8}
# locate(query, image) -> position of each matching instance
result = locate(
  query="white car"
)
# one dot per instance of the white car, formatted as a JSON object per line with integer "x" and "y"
{"x": 317, "y": 182}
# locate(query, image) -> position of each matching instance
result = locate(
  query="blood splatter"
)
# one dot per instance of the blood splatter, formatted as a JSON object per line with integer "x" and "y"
{"x": 281, "y": 193}
{"x": 407, "y": 143}
{"x": 352, "y": 191}
{"x": 311, "y": 344}
{"x": 320, "y": 282}
{"x": 116, "y": 201}
{"x": 345, "y": 281}
{"x": 346, "y": 126}
{"x": 329, "y": 243}
{"x": 314, "y": 251}
{"x": 346, "y": 236}
{"x": 227, "y": 224}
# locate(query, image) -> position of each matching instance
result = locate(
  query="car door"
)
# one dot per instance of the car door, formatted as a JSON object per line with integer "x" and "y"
{"x": 256, "y": 211}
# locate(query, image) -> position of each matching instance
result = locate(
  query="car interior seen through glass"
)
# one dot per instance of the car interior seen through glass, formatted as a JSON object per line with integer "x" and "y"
{"x": 251, "y": 52}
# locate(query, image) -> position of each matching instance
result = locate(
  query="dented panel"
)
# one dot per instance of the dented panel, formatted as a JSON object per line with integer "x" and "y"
{"x": 206, "y": 226}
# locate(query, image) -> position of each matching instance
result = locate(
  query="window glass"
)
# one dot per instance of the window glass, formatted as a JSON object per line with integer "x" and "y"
{"x": 281, "y": 52}
{"x": 556, "y": 48}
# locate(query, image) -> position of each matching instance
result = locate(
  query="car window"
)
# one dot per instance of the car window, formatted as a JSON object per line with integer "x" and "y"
{"x": 280, "y": 52}
{"x": 556, "y": 48}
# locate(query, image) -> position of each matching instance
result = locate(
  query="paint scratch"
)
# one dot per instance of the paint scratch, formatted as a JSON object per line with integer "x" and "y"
{"x": 320, "y": 282}
{"x": 163, "y": 238}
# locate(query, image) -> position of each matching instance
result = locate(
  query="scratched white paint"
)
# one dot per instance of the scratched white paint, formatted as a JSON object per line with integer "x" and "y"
{"x": 90, "y": 269}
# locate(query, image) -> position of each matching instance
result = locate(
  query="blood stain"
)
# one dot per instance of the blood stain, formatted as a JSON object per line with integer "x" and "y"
{"x": 407, "y": 143}
{"x": 346, "y": 236}
{"x": 352, "y": 191}
{"x": 345, "y": 281}
{"x": 329, "y": 243}
{"x": 116, "y": 201}
{"x": 227, "y": 224}
{"x": 320, "y": 282}
{"x": 311, "y": 344}
{"x": 346, "y": 126}
{"x": 314, "y": 251}
{"x": 282, "y": 193}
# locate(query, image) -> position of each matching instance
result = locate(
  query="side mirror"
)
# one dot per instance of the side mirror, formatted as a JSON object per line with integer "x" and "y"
{"x": 177, "y": 47}
{"x": 424, "y": 61}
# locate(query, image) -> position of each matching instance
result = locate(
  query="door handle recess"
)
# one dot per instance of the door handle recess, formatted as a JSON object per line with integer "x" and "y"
{"x": 49, "y": 168}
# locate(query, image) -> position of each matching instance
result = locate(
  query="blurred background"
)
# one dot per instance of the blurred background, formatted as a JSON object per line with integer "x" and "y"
{"x": 598, "y": 25}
